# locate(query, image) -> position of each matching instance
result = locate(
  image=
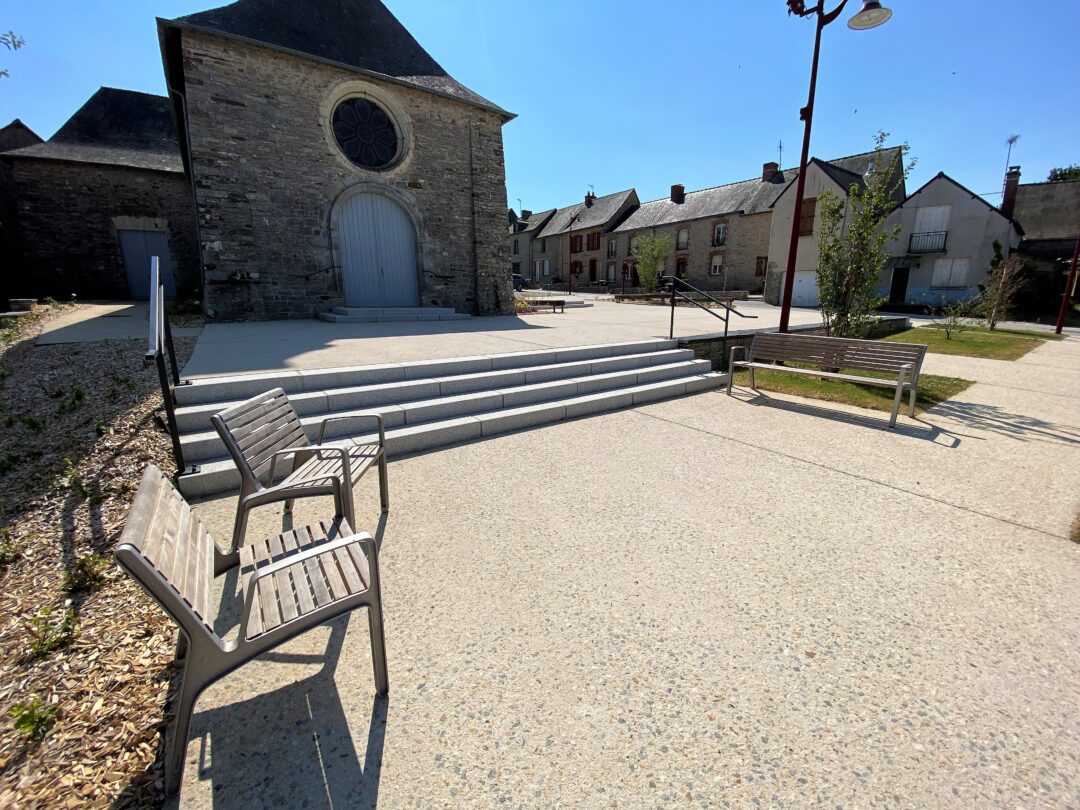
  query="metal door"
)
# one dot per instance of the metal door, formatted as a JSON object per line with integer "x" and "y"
{"x": 378, "y": 253}
{"x": 137, "y": 247}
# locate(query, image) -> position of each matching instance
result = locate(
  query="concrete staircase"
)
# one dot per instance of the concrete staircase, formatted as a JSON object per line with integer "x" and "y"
{"x": 432, "y": 403}
{"x": 391, "y": 314}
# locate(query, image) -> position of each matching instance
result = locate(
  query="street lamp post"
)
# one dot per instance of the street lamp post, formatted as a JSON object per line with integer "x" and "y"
{"x": 871, "y": 16}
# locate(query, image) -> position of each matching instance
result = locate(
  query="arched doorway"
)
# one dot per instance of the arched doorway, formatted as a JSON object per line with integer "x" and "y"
{"x": 377, "y": 250}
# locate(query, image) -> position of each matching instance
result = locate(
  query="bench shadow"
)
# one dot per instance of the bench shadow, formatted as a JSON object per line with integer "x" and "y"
{"x": 922, "y": 430}
{"x": 1000, "y": 422}
{"x": 291, "y": 747}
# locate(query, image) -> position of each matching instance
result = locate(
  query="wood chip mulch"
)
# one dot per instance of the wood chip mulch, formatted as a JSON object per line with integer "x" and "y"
{"x": 78, "y": 428}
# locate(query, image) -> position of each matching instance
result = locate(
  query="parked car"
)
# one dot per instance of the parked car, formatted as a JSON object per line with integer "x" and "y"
{"x": 519, "y": 281}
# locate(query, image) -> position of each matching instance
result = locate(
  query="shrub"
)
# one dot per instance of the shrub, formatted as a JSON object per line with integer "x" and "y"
{"x": 87, "y": 573}
{"x": 33, "y": 718}
{"x": 9, "y": 549}
{"x": 47, "y": 634}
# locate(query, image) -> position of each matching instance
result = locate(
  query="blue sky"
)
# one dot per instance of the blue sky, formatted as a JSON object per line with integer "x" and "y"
{"x": 621, "y": 93}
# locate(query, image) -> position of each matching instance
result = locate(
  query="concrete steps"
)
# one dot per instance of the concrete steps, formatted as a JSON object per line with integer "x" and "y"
{"x": 433, "y": 403}
{"x": 391, "y": 314}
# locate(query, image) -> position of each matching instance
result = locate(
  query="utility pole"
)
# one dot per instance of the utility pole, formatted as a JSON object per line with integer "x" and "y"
{"x": 1070, "y": 285}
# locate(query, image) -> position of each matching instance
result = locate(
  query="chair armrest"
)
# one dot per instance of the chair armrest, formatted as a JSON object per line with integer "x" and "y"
{"x": 378, "y": 417}
{"x": 285, "y": 493}
{"x": 906, "y": 370}
{"x": 292, "y": 451}
{"x": 289, "y": 561}
{"x": 737, "y": 349}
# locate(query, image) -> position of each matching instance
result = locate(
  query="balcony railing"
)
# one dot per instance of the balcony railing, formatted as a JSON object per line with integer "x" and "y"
{"x": 930, "y": 242}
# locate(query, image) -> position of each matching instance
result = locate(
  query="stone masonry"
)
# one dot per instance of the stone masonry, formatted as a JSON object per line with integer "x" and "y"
{"x": 267, "y": 173}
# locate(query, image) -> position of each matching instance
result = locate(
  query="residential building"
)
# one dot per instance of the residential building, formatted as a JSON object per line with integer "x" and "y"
{"x": 1050, "y": 216}
{"x": 573, "y": 240}
{"x": 838, "y": 176}
{"x": 523, "y": 232}
{"x": 720, "y": 235}
{"x": 945, "y": 246}
{"x": 15, "y": 135}
{"x": 333, "y": 162}
{"x": 99, "y": 198}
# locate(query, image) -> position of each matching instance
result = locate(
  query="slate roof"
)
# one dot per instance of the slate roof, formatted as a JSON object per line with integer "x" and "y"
{"x": 17, "y": 135}
{"x": 116, "y": 128}
{"x": 359, "y": 34}
{"x": 598, "y": 215}
{"x": 852, "y": 169}
{"x": 537, "y": 221}
{"x": 748, "y": 197}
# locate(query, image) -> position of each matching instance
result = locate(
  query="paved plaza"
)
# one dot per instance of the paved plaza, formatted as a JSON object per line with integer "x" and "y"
{"x": 714, "y": 601}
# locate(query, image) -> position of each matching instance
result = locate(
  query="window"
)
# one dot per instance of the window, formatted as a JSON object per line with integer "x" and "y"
{"x": 517, "y": 247}
{"x": 716, "y": 268}
{"x": 575, "y": 268}
{"x": 932, "y": 219}
{"x": 543, "y": 245}
{"x": 951, "y": 273}
{"x": 612, "y": 245}
{"x": 681, "y": 264}
{"x": 719, "y": 234}
{"x": 806, "y": 219}
{"x": 366, "y": 134}
{"x": 592, "y": 267}
{"x": 575, "y": 244}
{"x": 761, "y": 266}
{"x": 541, "y": 267}
{"x": 682, "y": 240}
{"x": 516, "y": 268}
{"x": 594, "y": 241}
{"x": 611, "y": 272}
{"x": 633, "y": 245}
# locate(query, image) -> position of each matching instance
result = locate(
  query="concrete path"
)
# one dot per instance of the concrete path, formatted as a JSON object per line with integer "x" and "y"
{"x": 745, "y": 601}
{"x": 249, "y": 347}
{"x": 93, "y": 322}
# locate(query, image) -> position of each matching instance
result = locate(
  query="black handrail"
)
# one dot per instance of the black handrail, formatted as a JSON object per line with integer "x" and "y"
{"x": 674, "y": 283}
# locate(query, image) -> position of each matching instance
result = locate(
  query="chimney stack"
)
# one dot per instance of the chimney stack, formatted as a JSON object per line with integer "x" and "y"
{"x": 769, "y": 171}
{"x": 678, "y": 193}
{"x": 1012, "y": 185}
{"x": 526, "y": 214}
{"x": 589, "y": 198}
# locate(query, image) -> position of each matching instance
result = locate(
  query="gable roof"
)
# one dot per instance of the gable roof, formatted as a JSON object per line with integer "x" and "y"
{"x": 537, "y": 221}
{"x": 118, "y": 128}
{"x": 941, "y": 176}
{"x": 17, "y": 135}
{"x": 746, "y": 197}
{"x": 852, "y": 169}
{"x": 361, "y": 35}
{"x": 581, "y": 216}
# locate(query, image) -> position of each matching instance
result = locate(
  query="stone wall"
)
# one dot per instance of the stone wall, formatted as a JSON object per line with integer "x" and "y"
{"x": 267, "y": 174}
{"x": 68, "y": 215}
{"x": 712, "y": 347}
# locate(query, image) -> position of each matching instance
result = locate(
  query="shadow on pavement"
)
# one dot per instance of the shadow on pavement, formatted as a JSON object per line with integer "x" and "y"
{"x": 992, "y": 419}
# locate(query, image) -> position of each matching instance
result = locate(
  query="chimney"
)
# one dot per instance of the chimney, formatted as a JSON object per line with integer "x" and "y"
{"x": 769, "y": 171}
{"x": 526, "y": 214}
{"x": 589, "y": 198}
{"x": 678, "y": 193}
{"x": 1012, "y": 184}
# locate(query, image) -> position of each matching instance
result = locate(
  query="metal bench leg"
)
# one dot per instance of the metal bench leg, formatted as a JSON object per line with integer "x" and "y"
{"x": 378, "y": 648}
{"x": 914, "y": 394}
{"x": 384, "y": 483}
{"x": 897, "y": 400}
{"x": 753, "y": 380}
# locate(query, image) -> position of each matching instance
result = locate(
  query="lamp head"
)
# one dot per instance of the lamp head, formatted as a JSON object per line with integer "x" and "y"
{"x": 872, "y": 15}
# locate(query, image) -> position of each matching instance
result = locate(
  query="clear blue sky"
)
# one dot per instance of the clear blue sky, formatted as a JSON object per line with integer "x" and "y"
{"x": 621, "y": 93}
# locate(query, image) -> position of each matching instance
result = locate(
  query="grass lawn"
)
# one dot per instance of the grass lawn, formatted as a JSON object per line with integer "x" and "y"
{"x": 932, "y": 389}
{"x": 975, "y": 341}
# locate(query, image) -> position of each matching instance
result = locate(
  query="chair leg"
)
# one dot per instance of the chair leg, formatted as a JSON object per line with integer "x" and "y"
{"x": 384, "y": 483}
{"x": 378, "y": 647}
{"x": 289, "y": 504}
{"x": 240, "y": 526}
{"x": 190, "y": 688}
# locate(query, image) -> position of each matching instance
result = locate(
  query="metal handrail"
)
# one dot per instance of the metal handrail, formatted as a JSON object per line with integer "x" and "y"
{"x": 673, "y": 282}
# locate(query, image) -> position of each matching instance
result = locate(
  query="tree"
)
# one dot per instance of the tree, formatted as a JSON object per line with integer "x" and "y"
{"x": 953, "y": 317}
{"x": 851, "y": 244}
{"x": 651, "y": 253}
{"x": 12, "y": 42}
{"x": 1066, "y": 173}
{"x": 998, "y": 292}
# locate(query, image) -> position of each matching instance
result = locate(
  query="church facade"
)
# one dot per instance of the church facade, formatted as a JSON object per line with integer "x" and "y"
{"x": 334, "y": 162}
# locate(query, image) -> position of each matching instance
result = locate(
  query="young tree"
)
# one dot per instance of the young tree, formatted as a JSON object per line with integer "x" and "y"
{"x": 998, "y": 292}
{"x": 12, "y": 42}
{"x": 1066, "y": 173}
{"x": 851, "y": 244}
{"x": 953, "y": 317}
{"x": 651, "y": 253}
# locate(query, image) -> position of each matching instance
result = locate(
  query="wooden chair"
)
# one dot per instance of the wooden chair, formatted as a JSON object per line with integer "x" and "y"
{"x": 292, "y": 583}
{"x": 262, "y": 430}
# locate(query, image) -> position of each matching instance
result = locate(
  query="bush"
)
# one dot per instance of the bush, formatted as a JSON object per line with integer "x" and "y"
{"x": 48, "y": 635}
{"x": 87, "y": 573}
{"x": 33, "y": 718}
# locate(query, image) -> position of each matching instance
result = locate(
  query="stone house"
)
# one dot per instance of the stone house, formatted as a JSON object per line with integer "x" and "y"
{"x": 334, "y": 162}
{"x": 1049, "y": 214}
{"x": 14, "y": 136}
{"x": 720, "y": 235}
{"x": 99, "y": 198}
{"x": 523, "y": 242}
{"x": 572, "y": 241}
{"x": 945, "y": 246}
{"x": 838, "y": 176}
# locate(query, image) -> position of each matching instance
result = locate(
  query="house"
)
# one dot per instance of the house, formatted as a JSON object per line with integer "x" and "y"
{"x": 572, "y": 240}
{"x": 838, "y": 176}
{"x": 720, "y": 235}
{"x": 334, "y": 162}
{"x": 99, "y": 198}
{"x": 1050, "y": 215}
{"x": 14, "y": 136}
{"x": 946, "y": 244}
{"x": 523, "y": 232}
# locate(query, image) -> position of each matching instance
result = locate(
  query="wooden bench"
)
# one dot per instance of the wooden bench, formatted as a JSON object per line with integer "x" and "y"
{"x": 556, "y": 304}
{"x": 291, "y": 583}
{"x": 262, "y": 430}
{"x": 897, "y": 365}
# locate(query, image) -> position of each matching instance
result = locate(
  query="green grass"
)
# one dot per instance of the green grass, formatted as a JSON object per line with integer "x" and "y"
{"x": 932, "y": 389}
{"x": 975, "y": 341}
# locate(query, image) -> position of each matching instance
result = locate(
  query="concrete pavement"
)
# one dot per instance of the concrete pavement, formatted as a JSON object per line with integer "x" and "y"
{"x": 92, "y": 322}
{"x": 707, "y": 602}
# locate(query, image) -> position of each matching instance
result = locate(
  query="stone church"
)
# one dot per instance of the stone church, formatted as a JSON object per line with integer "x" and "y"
{"x": 332, "y": 162}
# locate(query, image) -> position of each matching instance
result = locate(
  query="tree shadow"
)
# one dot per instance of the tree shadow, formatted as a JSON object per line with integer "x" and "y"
{"x": 1000, "y": 422}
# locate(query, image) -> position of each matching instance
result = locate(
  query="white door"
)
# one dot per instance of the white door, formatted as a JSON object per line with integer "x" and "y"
{"x": 805, "y": 292}
{"x": 378, "y": 253}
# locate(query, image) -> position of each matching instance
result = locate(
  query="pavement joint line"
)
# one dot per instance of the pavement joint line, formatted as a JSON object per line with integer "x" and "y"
{"x": 850, "y": 475}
